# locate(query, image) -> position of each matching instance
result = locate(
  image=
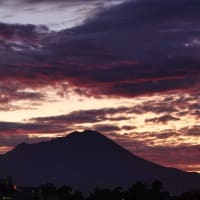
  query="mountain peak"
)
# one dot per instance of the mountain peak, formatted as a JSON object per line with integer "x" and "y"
{"x": 86, "y": 160}
{"x": 87, "y": 140}
{"x": 85, "y": 137}
{"x": 85, "y": 133}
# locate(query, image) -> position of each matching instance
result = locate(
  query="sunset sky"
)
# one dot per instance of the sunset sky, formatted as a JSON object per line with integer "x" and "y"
{"x": 127, "y": 68}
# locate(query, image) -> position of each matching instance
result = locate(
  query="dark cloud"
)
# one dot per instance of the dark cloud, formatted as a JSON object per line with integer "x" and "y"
{"x": 128, "y": 128}
{"x": 66, "y": 1}
{"x": 163, "y": 119}
{"x": 14, "y": 133}
{"x": 13, "y": 94}
{"x": 155, "y": 137}
{"x": 157, "y": 107}
{"x": 104, "y": 128}
{"x": 112, "y": 115}
{"x": 185, "y": 155}
{"x": 28, "y": 128}
{"x": 29, "y": 33}
{"x": 142, "y": 72}
{"x": 85, "y": 116}
{"x": 136, "y": 48}
{"x": 191, "y": 131}
{"x": 53, "y": 1}
{"x": 13, "y": 140}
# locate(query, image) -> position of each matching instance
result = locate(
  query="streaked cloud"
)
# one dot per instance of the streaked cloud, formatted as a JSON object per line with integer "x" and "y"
{"x": 88, "y": 58}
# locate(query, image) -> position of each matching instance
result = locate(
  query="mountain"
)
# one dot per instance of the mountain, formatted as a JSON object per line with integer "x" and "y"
{"x": 85, "y": 160}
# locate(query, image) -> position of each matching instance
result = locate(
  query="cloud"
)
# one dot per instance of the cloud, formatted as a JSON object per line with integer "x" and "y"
{"x": 57, "y": 15}
{"x": 185, "y": 156}
{"x": 105, "y": 128}
{"x": 14, "y": 133}
{"x": 13, "y": 140}
{"x": 163, "y": 119}
{"x": 73, "y": 1}
{"x": 17, "y": 32}
{"x": 112, "y": 54}
{"x": 191, "y": 131}
{"x": 8, "y": 94}
{"x": 85, "y": 116}
{"x": 28, "y": 128}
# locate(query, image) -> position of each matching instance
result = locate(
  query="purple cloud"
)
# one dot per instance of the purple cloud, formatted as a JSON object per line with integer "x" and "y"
{"x": 112, "y": 54}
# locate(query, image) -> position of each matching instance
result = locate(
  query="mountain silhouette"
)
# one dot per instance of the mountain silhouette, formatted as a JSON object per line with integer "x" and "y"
{"x": 85, "y": 160}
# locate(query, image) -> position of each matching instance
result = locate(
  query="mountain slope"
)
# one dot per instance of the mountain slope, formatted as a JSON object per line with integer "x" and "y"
{"x": 87, "y": 160}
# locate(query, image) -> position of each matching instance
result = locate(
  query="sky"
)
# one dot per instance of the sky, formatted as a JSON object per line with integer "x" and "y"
{"x": 126, "y": 68}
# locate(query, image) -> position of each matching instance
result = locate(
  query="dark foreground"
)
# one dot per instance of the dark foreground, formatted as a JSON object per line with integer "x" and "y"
{"x": 48, "y": 191}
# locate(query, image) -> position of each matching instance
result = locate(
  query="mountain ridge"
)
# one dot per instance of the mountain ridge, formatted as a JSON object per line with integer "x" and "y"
{"x": 86, "y": 160}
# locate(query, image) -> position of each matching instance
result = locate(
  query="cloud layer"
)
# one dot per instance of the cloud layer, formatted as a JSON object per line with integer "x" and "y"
{"x": 118, "y": 53}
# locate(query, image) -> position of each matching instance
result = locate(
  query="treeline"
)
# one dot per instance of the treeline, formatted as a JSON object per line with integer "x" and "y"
{"x": 138, "y": 191}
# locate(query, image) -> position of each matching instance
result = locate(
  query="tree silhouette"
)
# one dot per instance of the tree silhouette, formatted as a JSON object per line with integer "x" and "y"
{"x": 157, "y": 185}
{"x": 117, "y": 193}
{"x": 77, "y": 195}
{"x": 191, "y": 195}
{"x": 138, "y": 191}
{"x": 101, "y": 194}
{"x": 47, "y": 189}
{"x": 64, "y": 192}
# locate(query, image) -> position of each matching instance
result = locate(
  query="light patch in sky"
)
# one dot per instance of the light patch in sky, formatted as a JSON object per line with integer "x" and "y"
{"x": 56, "y": 105}
{"x": 56, "y": 16}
